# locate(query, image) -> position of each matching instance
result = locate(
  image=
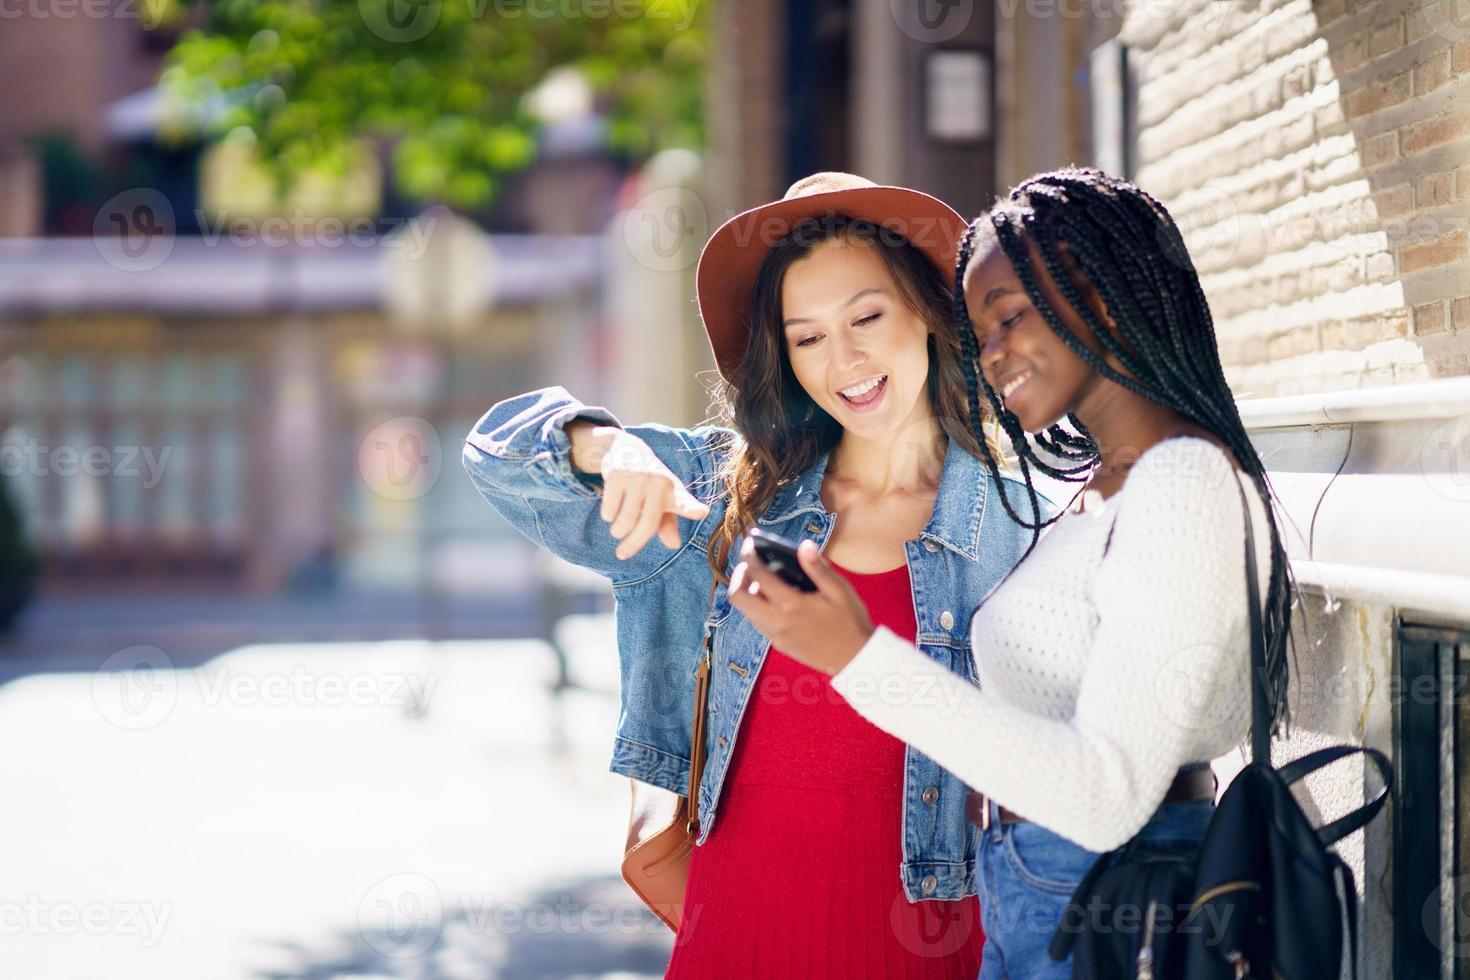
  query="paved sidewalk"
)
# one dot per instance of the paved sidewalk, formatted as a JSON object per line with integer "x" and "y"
{"x": 318, "y": 810}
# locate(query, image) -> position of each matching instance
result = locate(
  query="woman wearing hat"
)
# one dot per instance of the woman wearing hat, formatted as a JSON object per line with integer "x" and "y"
{"x": 838, "y": 850}
{"x": 1115, "y": 661}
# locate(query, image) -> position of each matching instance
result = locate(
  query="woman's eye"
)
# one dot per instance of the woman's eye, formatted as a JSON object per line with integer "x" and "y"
{"x": 808, "y": 341}
{"x": 1008, "y": 322}
{"x": 868, "y": 319}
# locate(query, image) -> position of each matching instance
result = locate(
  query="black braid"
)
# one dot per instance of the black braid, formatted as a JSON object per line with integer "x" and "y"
{"x": 1129, "y": 250}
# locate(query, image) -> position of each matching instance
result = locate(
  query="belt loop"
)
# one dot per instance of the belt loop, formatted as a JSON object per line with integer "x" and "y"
{"x": 992, "y": 817}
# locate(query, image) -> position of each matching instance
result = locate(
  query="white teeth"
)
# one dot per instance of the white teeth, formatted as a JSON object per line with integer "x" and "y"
{"x": 1014, "y": 383}
{"x": 864, "y": 388}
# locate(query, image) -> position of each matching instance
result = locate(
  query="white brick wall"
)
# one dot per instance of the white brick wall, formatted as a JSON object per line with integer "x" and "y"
{"x": 1316, "y": 154}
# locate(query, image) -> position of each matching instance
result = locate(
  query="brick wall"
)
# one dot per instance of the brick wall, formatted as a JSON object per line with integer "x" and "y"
{"x": 1317, "y": 155}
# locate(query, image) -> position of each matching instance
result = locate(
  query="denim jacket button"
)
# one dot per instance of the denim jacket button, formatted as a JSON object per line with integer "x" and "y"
{"x": 930, "y": 795}
{"x": 946, "y": 620}
{"x": 928, "y": 885}
{"x": 930, "y": 545}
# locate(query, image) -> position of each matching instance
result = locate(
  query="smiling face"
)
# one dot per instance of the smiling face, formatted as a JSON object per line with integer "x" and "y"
{"x": 1037, "y": 376}
{"x": 859, "y": 351}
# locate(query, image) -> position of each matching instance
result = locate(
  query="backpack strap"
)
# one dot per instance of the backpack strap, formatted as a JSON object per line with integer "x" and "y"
{"x": 1335, "y": 831}
{"x": 1260, "y": 703}
{"x": 1350, "y": 899}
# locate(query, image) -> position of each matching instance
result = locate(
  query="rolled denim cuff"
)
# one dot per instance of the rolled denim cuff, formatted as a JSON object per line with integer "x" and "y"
{"x": 553, "y": 459}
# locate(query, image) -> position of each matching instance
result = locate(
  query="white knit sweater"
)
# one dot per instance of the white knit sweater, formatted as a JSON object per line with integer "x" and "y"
{"x": 1099, "y": 676}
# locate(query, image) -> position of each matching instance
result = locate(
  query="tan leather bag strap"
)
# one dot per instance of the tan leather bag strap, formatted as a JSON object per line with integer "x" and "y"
{"x": 701, "y": 724}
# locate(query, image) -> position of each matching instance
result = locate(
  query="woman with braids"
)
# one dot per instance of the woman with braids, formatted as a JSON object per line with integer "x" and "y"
{"x": 825, "y": 847}
{"x": 1113, "y": 662}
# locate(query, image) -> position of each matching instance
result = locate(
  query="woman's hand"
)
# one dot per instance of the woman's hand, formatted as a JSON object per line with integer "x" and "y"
{"x": 824, "y": 629}
{"x": 641, "y": 497}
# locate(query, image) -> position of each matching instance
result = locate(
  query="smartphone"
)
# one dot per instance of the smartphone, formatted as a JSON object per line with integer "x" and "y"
{"x": 779, "y": 555}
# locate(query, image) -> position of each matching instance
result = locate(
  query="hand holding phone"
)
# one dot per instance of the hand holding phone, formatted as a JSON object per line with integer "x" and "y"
{"x": 779, "y": 555}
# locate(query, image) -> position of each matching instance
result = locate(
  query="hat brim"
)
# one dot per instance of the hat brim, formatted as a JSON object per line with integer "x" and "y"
{"x": 731, "y": 260}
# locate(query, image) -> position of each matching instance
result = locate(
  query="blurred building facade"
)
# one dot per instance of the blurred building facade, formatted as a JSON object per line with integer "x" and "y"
{"x": 195, "y": 384}
{"x": 252, "y": 416}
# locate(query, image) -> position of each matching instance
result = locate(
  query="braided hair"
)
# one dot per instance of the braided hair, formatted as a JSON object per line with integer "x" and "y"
{"x": 1090, "y": 228}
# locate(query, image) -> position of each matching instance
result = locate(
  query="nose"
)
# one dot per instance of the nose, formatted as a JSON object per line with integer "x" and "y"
{"x": 847, "y": 354}
{"x": 992, "y": 352}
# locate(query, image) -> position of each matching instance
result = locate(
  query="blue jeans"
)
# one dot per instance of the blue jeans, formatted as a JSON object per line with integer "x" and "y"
{"x": 1026, "y": 875}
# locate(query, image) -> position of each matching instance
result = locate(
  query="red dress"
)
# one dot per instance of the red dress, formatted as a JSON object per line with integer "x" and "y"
{"x": 799, "y": 877}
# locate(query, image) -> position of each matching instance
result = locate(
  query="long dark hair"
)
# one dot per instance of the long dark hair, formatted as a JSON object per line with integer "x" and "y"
{"x": 782, "y": 431}
{"x": 1093, "y": 229}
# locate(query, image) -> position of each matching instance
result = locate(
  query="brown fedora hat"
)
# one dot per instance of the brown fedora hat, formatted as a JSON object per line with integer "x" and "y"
{"x": 732, "y": 257}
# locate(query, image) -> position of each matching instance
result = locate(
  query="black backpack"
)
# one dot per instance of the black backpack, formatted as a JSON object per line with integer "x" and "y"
{"x": 1259, "y": 898}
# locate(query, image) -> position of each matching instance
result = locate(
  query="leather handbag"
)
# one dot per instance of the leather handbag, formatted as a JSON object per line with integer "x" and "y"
{"x": 656, "y": 867}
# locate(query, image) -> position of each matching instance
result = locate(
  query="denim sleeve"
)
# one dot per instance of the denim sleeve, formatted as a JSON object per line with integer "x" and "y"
{"x": 519, "y": 458}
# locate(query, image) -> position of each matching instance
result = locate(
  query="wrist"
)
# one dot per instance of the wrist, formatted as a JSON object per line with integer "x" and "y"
{"x": 849, "y": 650}
{"x": 589, "y": 442}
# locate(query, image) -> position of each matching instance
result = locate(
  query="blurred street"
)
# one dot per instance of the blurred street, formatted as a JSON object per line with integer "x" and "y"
{"x": 394, "y": 808}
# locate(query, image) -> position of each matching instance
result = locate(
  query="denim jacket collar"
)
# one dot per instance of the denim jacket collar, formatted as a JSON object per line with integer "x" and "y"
{"x": 959, "y": 506}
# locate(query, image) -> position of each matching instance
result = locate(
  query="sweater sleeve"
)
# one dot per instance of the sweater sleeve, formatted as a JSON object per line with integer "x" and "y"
{"x": 1167, "y": 669}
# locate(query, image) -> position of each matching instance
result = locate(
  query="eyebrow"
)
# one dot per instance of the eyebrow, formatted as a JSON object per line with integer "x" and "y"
{"x": 793, "y": 321}
{"x": 994, "y": 295}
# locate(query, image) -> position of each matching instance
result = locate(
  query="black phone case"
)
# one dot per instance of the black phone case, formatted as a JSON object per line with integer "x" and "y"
{"x": 779, "y": 555}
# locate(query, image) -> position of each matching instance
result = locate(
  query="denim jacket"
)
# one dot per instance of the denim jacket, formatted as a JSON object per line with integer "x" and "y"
{"x": 518, "y": 456}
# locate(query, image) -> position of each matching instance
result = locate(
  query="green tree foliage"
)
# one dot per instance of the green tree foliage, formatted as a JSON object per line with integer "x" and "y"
{"x": 445, "y": 81}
